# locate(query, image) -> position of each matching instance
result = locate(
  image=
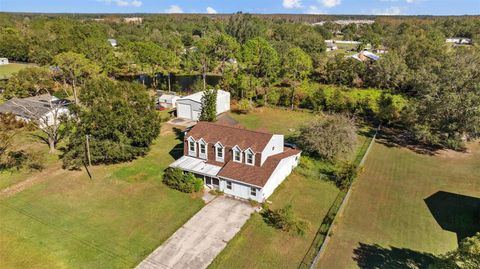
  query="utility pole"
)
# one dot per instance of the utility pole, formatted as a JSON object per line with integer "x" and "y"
{"x": 88, "y": 150}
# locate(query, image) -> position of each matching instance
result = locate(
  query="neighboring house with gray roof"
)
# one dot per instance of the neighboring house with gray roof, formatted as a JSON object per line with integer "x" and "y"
{"x": 44, "y": 109}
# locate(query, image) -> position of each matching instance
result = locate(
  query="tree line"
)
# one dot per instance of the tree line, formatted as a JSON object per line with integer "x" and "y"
{"x": 268, "y": 60}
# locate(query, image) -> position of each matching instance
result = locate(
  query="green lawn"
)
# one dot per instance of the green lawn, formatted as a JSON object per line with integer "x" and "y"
{"x": 390, "y": 223}
{"x": 112, "y": 221}
{"x": 274, "y": 120}
{"x": 9, "y": 69}
{"x": 258, "y": 245}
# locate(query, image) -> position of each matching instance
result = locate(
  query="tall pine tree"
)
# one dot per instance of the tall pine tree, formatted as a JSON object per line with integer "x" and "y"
{"x": 209, "y": 105}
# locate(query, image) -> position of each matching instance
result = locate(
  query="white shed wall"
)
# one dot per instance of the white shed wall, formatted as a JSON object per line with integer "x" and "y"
{"x": 223, "y": 102}
{"x": 188, "y": 109}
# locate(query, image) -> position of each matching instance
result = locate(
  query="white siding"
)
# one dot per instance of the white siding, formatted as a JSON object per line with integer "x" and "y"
{"x": 283, "y": 169}
{"x": 223, "y": 102}
{"x": 191, "y": 108}
{"x": 239, "y": 190}
{"x": 50, "y": 117}
{"x": 188, "y": 109}
{"x": 274, "y": 146}
{"x": 184, "y": 111}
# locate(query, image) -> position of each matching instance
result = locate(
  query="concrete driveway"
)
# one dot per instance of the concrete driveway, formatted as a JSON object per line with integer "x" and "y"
{"x": 202, "y": 238}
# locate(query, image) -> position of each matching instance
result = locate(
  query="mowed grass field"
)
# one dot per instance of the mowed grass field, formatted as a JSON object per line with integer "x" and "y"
{"x": 258, "y": 245}
{"x": 7, "y": 70}
{"x": 276, "y": 120}
{"x": 393, "y": 221}
{"x": 111, "y": 221}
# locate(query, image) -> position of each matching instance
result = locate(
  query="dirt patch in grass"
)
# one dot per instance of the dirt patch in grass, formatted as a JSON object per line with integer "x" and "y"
{"x": 471, "y": 148}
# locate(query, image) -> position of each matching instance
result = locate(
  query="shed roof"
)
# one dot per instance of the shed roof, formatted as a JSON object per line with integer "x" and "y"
{"x": 197, "y": 97}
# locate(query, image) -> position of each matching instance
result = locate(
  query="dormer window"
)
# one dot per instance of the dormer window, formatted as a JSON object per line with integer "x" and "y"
{"x": 219, "y": 152}
{"x": 237, "y": 154}
{"x": 249, "y": 157}
{"x": 192, "y": 149}
{"x": 202, "y": 149}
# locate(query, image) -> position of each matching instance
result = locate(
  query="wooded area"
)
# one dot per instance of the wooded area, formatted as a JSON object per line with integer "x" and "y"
{"x": 273, "y": 59}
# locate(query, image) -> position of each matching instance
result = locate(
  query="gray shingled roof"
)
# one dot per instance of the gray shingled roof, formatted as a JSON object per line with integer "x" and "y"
{"x": 32, "y": 107}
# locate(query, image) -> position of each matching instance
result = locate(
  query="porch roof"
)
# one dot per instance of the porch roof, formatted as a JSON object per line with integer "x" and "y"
{"x": 195, "y": 165}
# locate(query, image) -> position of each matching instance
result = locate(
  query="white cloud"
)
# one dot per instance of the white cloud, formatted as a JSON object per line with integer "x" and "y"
{"x": 292, "y": 3}
{"x": 211, "y": 10}
{"x": 173, "y": 9}
{"x": 313, "y": 10}
{"x": 331, "y": 3}
{"x": 412, "y": 1}
{"x": 123, "y": 3}
{"x": 387, "y": 11}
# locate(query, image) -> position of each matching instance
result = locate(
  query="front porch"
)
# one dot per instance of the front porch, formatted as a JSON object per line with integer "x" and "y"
{"x": 201, "y": 169}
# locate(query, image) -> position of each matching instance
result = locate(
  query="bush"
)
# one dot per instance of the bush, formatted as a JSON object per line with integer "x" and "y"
{"x": 244, "y": 106}
{"x": 184, "y": 182}
{"x": 345, "y": 172}
{"x": 331, "y": 137}
{"x": 284, "y": 219}
{"x": 18, "y": 160}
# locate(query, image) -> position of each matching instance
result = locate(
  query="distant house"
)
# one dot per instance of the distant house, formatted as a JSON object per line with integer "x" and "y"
{"x": 241, "y": 163}
{"x": 45, "y": 109}
{"x": 168, "y": 100}
{"x": 380, "y": 50}
{"x": 190, "y": 107}
{"x": 331, "y": 46}
{"x": 365, "y": 56}
{"x": 113, "y": 42}
{"x": 345, "y": 22}
{"x": 133, "y": 20}
{"x": 350, "y": 42}
{"x": 459, "y": 40}
{"x": 3, "y": 61}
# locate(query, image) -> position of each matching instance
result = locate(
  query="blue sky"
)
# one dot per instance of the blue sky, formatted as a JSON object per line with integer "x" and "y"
{"x": 376, "y": 7}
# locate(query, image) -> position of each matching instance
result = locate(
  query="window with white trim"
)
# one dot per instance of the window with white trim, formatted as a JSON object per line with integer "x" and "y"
{"x": 253, "y": 191}
{"x": 202, "y": 149}
{"x": 229, "y": 185}
{"x": 191, "y": 147}
{"x": 249, "y": 157}
{"x": 219, "y": 153}
{"x": 237, "y": 155}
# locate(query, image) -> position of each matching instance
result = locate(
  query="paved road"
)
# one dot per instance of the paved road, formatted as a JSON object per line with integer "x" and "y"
{"x": 202, "y": 238}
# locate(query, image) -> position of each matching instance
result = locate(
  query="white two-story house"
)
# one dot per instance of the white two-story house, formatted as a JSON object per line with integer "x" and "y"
{"x": 241, "y": 163}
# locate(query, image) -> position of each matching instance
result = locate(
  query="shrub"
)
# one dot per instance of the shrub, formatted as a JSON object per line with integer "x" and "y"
{"x": 330, "y": 137}
{"x": 285, "y": 220}
{"x": 18, "y": 160}
{"x": 244, "y": 106}
{"x": 345, "y": 172}
{"x": 176, "y": 179}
